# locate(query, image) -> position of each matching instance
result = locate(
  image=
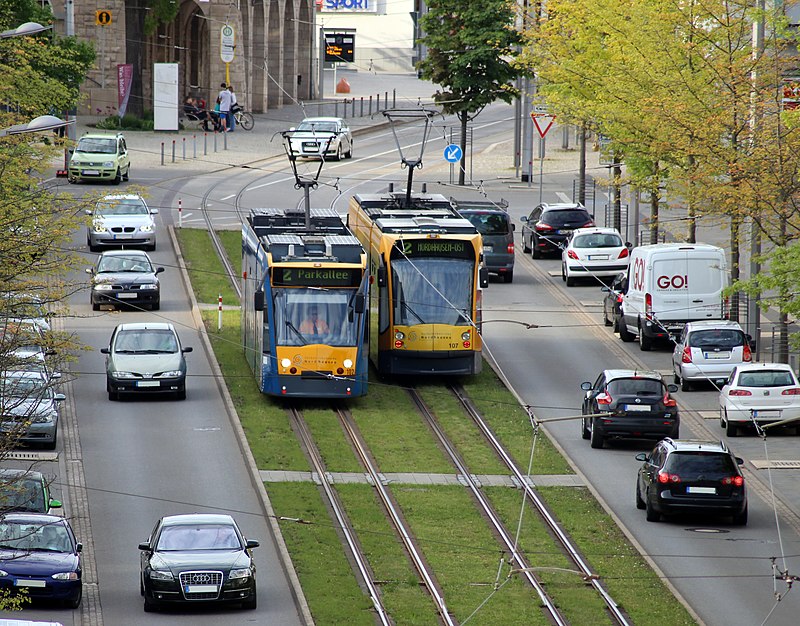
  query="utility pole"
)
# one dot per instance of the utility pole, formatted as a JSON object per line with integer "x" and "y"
{"x": 72, "y": 133}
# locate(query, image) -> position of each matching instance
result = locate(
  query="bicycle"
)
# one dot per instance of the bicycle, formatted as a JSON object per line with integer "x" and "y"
{"x": 244, "y": 119}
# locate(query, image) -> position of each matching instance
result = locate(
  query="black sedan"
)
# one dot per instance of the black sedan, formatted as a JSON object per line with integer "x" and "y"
{"x": 125, "y": 277}
{"x": 628, "y": 404}
{"x": 197, "y": 558}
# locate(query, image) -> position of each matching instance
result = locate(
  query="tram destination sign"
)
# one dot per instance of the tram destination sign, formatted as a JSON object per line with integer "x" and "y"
{"x": 454, "y": 248}
{"x": 316, "y": 276}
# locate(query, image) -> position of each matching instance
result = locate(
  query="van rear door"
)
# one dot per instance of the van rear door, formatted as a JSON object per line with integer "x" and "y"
{"x": 687, "y": 285}
{"x": 669, "y": 287}
{"x": 706, "y": 281}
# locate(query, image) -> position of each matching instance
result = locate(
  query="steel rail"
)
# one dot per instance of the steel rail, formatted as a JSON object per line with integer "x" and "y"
{"x": 614, "y": 609}
{"x": 488, "y": 510}
{"x": 395, "y": 516}
{"x": 343, "y": 522}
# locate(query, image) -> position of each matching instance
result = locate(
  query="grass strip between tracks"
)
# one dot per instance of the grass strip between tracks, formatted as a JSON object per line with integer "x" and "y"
{"x": 456, "y": 542}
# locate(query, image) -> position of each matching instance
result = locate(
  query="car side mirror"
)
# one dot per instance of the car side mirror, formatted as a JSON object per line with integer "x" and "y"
{"x": 628, "y": 245}
{"x": 672, "y": 388}
{"x": 88, "y": 211}
{"x": 642, "y": 456}
{"x": 513, "y": 227}
{"x": 739, "y": 460}
{"x": 258, "y": 300}
{"x": 144, "y": 546}
{"x": 483, "y": 277}
{"x": 605, "y": 289}
{"x": 187, "y": 349}
{"x": 105, "y": 351}
{"x": 292, "y": 129}
{"x": 59, "y": 397}
{"x": 159, "y": 270}
{"x": 55, "y": 504}
{"x": 587, "y": 386}
{"x": 55, "y": 375}
{"x": 524, "y": 218}
{"x": 359, "y": 303}
{"x": 89, "y": 270}
{"x": 153, "y": 211}
{"x": 252, "y": 543}
{"x": 79, "y": 547}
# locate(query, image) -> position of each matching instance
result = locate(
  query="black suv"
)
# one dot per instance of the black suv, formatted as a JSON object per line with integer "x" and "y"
{"x": 628, "y": 404}
{"x": 548, "y": 226}
{"x": 691, "y": 476}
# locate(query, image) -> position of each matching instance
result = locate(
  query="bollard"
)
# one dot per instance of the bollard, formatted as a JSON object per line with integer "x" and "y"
{"x": 173, "y": 151}
{"x": 225, "y": 141}
{"x": 219, "y": 314}
{"x": 335, "y": 108}
{"x": 353, "y": 107}
{"x": 394, "y": 98}
{"x": 162, "y": 153}
{"x": 215, "y": 141}
{"x": 362, "y": 107}
{"x": 180, "y": 213}
{"x": 194, "y": 146}
{"x": 385, "y": 99}
{"x": 183, "y": 145}
{"x": 370, "y": 106}
{"x": 205, "y": 144}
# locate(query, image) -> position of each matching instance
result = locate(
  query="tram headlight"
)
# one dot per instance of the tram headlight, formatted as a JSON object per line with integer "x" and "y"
{"x": 286, "y": 363}
{"x": 399, "y": 335}
{"x": 465, "y": 336}
{"x": 348, "y": 363}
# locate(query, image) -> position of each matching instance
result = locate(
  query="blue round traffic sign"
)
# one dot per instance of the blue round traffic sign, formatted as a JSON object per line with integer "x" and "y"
{"x": 452, "y": 153}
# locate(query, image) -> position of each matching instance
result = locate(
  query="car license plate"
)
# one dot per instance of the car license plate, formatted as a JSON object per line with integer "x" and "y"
{"x": 598, "y": 257}
{"x": 123, "y": 236}
{"x": 716, "y": 355}
{"x": 148, "y": 383}
{"x": 200, "y": 589}
{"x": 638, "y": 407}
{"x": 562, "y": 232}
{"x": 487, "y": 249}
{"x": 30, "y": 583}
{"x": 126, "y": 295}
{"x": 91, "y": 172}
{"x": 705, "y": 490}
{"x": 767, "y": 413}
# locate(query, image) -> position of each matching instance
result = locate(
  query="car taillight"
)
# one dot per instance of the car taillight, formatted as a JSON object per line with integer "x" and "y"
{"x": 736, "y": 481}
{"x": 623, "y": 254}
{"x": 603, "y": 398}
{"x": 739, "y": 392}
{"x": 747, "y": 355}
{"x": 619, "y": 299}
{"x": 794, "y": 391}
{"x": 648, "y": 305}
{"x": 572, "y": 254}
{"x": 510, "y": 248}
{"x": 668, "y": 401}
{"x": 686, "y": 357}
{"x": 588, "y": 224}
{"x": 664, "y": 478}
{"x": 726, "y": 309}
{"x": 543, "y": 226}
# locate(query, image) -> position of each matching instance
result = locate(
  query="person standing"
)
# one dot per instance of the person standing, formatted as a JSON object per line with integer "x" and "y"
{"x": 234, "y": 108}
{"x": 224, "y": 101}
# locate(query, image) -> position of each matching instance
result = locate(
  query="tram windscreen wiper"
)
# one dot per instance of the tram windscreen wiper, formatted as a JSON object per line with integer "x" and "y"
{"x": 296, "y": 332}
{"x": 408, "y": 308}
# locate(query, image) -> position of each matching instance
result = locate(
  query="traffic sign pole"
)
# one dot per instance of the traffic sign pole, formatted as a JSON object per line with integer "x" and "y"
{"x": 542, "y": 122}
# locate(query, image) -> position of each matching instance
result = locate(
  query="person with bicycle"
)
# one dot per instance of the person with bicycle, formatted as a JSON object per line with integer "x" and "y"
{"x": 234, "y": 109}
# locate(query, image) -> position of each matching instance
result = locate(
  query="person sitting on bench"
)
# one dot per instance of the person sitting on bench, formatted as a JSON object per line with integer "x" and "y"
{"x": 194, "y": 112}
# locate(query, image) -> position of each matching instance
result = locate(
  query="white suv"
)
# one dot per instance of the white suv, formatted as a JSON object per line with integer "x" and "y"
{"x": 708, "y": 350}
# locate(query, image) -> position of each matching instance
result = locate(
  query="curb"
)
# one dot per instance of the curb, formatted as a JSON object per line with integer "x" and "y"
{"x": 304, "y": 612}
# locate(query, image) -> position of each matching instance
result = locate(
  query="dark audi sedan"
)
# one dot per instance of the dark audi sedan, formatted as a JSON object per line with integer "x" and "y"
{"x": 197, "y": 558}
{"x": 628, "y": 404}
{"x": 691, "y": 477}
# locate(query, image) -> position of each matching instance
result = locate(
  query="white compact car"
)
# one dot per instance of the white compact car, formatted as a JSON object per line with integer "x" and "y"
{"x": 322, "y": 137}
{"x": 759, "y": 392}
{"x": 709, "y": 350}
{"x": 594, "y": 252}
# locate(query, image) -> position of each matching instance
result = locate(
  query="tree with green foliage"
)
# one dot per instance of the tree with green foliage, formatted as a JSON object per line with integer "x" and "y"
{"x": 471, "y": 46}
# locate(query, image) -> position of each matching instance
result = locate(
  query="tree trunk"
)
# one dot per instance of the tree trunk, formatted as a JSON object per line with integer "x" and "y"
{"x": 691, "y": 234}
{"x": 134, "y": 53}
{"x": 736, "y": 225}
{"x": 582, "y": 168}
{"x": 617, "y": 209}
{"x": 462, "y": 165}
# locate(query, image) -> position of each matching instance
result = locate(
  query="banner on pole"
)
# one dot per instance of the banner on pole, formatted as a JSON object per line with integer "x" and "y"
{"x": 124, "y": 80}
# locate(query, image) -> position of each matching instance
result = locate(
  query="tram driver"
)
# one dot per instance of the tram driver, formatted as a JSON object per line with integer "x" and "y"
{"x": 314, "y": 325}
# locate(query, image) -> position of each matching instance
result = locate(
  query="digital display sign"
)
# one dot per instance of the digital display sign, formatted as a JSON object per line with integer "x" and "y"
{"x": 453, "y": 248}
{"x": 316, "y": 276}
{"x": 340, "y": 47}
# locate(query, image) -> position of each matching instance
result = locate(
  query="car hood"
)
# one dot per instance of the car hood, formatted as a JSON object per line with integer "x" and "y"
{"x": 38, "y": 563}
{"x": 126, "y": 278}
{"x": 21, "y": 407}
{"x": 110, "y": 221}
{"x": 93, "y": 156}
{"x": 152, "y": 363}
{"x": 199, "y": 559}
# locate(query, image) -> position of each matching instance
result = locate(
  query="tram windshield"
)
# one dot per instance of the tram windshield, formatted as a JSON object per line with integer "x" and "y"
{"x": 304, "y": 316}
{"x": 432, "y": 290}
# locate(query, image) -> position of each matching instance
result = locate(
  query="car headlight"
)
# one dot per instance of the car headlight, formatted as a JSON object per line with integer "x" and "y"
{"x": 3, "y": 572}
{"x": 240, "y": 573}
{"x": 123, "y": 374}
{"x": 171, "y": 374}
{"x": 103, "y": 287}
{"x": 148, "y": 287}
{"x": 147, "y": 228}
{"x": 99, "y": 228}
{"x": 157, "y": 574}
{"x": 108, "y": 163}
{"x": 43, "y": 418}
{"x": 65, "y": 576}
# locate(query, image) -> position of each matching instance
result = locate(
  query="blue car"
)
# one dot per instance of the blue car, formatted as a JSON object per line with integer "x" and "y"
{"x": 39, "y": 553}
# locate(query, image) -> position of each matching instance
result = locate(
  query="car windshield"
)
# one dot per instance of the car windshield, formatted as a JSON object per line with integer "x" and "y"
{"x": 716, "y": 338}
{"x": 635, "y": 387}
{"x": 29, "y": 536}
{"x": 597, "y": 240}
{"x": 325, "y": 127}
{"x": 198, "y": 537}
{"x": 121, "y": 206}
{"x": 566, "y": 217}
{"x": 146, "y": 340}
{"x": 766, "y": 378}
{"x": 101, "y": 146}
{"x": 124, "y": 263}
{"x": 489, "y": 223}
{"x": 307, "y": 315}
{"x": 25, "y": 387}
{"x": 700, "y": 465}
{"x": 21, "y": 494}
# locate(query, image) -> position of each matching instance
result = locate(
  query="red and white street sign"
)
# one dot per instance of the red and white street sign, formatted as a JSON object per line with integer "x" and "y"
{"x": 543, "y": 122}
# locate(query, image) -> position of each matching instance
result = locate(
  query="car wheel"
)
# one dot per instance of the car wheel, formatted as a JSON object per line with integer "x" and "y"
{"x": 639, "y": 502}
{"x": 149, "y": 605}
{"x": 508, "y": 277}
{"x": 686, "y": 385}
{"x": 156, "y": 305}
{"x": 624, "y": 333}
{"x": 675, "y": 378}
{"x": 585, "y": 434}
{"x": 645, "y": 343}
{"x": 651, "y": 515}
{"x": 51, "y": 445}
{"x": 606, "y": 321}
{"x": 251, "y": 604}
{"x": 563, "y": 272}
{"x": 535, "y": 252}
{"x": 525, "y": 247}
{"x": 95, "y": 306}
{"x": 596, "y": 437}
{"x": 569, "y": 279}
{"x": 141, "y": 586}
{"x": 75, "y": 601}
{"x": 740, "y": 519}
{"x": 731, "y": 429}
{"x": 117, "y": 178}
{"x": 349, "y": 154}
{"x": 126, "y": 176}
{"x": 339, "y": 153}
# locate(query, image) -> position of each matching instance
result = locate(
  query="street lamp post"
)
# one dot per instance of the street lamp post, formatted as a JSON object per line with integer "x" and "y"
{"x": 37, "y": 125}
{"x": 28, "y": 28}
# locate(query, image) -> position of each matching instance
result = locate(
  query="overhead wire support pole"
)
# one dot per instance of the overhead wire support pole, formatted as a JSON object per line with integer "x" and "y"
{"x": 303, "y": 182}
{"x": 397, "y": 115}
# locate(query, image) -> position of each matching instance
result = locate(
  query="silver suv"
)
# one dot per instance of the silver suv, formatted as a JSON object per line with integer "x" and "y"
{"x": 708, "y": 350}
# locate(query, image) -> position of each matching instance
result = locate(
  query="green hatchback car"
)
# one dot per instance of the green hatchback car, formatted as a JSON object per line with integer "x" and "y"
{"x": 100, "y": 156}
